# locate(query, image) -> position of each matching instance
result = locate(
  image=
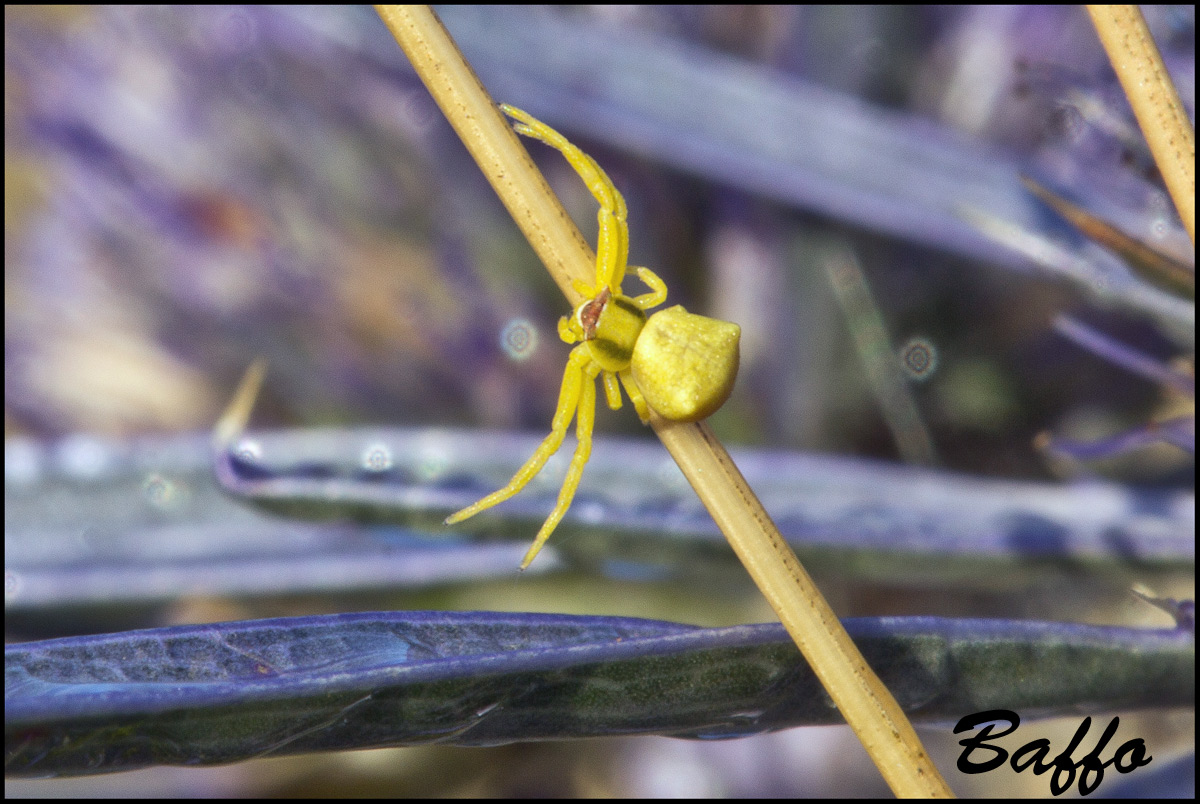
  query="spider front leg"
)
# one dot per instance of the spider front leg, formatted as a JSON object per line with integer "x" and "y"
{"x": 612, "y": 245}
{"x": 575, "y": 377}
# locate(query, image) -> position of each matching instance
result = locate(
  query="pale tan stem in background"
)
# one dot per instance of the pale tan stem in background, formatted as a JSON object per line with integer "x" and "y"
{"x": 859, "y": 694}
{"x": 1164, "y": 123}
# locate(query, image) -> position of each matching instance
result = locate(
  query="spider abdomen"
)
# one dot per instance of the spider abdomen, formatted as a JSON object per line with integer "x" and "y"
{"x": 685, "y": 364}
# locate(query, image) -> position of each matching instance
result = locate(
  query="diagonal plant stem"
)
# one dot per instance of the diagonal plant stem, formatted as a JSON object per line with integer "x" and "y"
{"x": 858, "y": 693}
{"x": 1163, "y": 120}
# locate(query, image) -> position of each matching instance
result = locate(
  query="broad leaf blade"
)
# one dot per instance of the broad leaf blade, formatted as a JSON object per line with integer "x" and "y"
{"x": 208, "y": 694}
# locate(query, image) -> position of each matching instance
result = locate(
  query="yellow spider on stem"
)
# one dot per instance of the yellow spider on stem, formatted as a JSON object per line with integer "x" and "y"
{"x": 680, "y": 365}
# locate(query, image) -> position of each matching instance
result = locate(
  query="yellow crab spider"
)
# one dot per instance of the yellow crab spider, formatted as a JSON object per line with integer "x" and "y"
{"x": 678, "y": 364}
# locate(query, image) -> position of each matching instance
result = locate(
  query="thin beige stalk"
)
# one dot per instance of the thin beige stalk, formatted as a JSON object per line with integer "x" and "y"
{"x": 859, "y": 694}
{"x": 1139, "y": 67}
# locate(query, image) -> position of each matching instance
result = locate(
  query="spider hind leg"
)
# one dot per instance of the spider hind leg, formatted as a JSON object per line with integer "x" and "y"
{"x": 584, "y": 423}
{"x": 574, "y": 379}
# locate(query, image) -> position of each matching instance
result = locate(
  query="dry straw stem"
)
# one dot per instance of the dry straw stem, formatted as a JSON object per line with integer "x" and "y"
{"x": 863, "y": 700}
{"x": 1164, "y": 124}
{"x": 233, "y": 421}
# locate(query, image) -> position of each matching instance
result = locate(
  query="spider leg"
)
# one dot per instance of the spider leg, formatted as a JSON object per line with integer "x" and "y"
{"x": 612, "y": 391}
{"x": 569, "y": 331}
{"x": 568, "y": 401}
{"x": 583, "y": 431}
{"x": 635, "y": 396}
{"x": 612, "y": 245}
{"x": 584, "y": 289}
{"x": 658, "y": 290}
